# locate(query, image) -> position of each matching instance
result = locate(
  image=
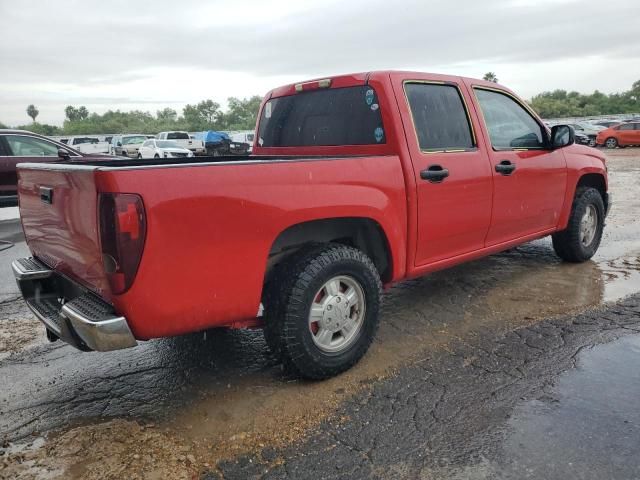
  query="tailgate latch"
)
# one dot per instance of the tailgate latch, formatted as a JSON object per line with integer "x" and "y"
{"x": 46, "y": 195}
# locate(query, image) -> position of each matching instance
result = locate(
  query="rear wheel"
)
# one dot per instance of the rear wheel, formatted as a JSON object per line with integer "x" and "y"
{"x": 581, "y": 239}
{"x": 592, "y": 142}
{"x": 322, "y": 310}
{"x": 611, "y": 142}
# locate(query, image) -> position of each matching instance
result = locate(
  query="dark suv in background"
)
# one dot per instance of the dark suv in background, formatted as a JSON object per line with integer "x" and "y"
{"x": 19, "y": 146}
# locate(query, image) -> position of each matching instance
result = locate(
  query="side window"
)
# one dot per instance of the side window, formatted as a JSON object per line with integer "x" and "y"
{"x": 21, "y": 146}
{"x": 626, "y": 126}
{"x": 509, "y": 124}
{"x": 146, "y": 144}
{"x": 439, "y": 116}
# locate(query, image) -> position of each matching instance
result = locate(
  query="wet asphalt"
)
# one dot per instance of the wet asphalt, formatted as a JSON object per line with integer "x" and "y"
{"x": 489, "y": 370}
{"x": 552, "y": 401}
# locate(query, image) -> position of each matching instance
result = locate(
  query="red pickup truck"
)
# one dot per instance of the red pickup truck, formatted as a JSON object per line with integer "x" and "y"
{"x": 356, "y": 182}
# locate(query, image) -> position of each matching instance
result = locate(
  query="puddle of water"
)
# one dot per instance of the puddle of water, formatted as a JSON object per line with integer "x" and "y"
{"x": 590, "y": 421}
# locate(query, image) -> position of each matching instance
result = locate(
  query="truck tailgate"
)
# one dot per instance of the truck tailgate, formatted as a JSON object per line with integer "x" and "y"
{"x": 58, "y": 207}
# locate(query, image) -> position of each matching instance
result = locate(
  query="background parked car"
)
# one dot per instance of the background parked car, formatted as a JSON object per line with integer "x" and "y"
{"x": 582, "y": 139}
{"x": 588, "y": 129}
{"x": 127, "y": 145}
{"x": 88, "y": 144}
{"x": 607, "y": 123}
{"x": 153, "y": 148}
{"x": 19, "y": 146}
{"x": 621, "y": 135}
{"x": 244, "y": 137}
{"x": 183, "y": 140}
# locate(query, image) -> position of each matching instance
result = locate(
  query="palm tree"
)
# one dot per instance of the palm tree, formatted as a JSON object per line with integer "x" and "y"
{"x": 490, "y": 77}
{"x": 33, "y": 112}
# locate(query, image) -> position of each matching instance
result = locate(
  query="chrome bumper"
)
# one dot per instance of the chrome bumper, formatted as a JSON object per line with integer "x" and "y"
{"x": 69, "y": 312}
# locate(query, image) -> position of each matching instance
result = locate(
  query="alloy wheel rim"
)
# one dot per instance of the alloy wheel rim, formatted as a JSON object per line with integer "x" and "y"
{"x": 337, "y": 314}
{"x": 611, "y": 143}
{"x": 588, "y": 226}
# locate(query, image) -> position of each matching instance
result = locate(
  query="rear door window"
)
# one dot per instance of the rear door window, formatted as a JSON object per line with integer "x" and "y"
{"x": 324, "y": 117}
{"x": 439, "y": 116}
{"x": 626, "y": 126}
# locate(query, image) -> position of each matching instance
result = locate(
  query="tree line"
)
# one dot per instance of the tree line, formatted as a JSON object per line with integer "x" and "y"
{"x": 241, "y": 113}
{"x": 205, "y": 115}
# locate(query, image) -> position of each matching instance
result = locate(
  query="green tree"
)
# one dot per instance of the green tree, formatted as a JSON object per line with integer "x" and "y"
{"x": 71, "y": 113}
{"x": 2, "y": 125}
{"x": 41, "y": 128}
{"x": 83, "y": 113}
{"x": 490, "y": 77}
{"x": 242, "y": 113}
{"x": 33, "y": 112}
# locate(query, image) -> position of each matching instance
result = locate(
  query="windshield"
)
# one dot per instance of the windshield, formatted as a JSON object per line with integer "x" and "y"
{"x": 133, "y": 139}
{"x": 167, "y": 144}
{"x": 178, "y": 136}
{"x": 337, "y": 116}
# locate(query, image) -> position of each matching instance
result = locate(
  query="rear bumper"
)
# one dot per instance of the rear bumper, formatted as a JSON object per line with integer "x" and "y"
{"x": 69, "y": 312}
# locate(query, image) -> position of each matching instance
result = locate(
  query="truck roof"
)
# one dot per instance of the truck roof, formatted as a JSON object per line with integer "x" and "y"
{"x": 350, "y": 79}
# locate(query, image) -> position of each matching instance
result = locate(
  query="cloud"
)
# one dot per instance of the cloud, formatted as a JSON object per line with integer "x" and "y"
{"x": 117, "y": 46}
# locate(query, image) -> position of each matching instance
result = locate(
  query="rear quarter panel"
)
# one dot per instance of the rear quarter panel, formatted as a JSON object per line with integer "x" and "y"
{"x": 210, "y": 229}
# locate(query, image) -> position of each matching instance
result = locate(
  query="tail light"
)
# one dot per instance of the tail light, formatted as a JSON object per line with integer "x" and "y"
{"x": 123, "y": 228}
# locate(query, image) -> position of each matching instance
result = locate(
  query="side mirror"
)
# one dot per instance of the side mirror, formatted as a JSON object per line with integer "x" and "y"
{"x": 63, "y": 154}
{"x": 562, "y": 136}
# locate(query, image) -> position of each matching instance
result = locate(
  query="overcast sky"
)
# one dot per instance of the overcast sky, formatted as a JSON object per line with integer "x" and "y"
{"x": 149, "y": 55}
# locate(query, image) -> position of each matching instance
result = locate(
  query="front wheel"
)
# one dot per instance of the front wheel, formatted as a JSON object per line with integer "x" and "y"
{"x": 581, "y": 239}
{"x": 592, "y": 142}
{"x": 322, "y": 311}
{"x": 611, "y": 142}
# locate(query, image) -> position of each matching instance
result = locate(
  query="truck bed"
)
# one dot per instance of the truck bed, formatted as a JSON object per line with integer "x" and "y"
{"x": 159, "y": 162}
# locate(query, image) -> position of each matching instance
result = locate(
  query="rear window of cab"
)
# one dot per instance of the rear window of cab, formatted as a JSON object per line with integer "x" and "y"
{"x": 323, "y": 117}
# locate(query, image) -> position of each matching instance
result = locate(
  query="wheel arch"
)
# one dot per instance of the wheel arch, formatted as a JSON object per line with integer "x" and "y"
{"x": 363, "y": 233}
{"x": 597, "y": 181}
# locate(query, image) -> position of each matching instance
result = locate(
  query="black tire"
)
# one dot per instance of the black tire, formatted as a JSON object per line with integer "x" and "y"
{"x": 139, "y": 157}
{"x": 592, "y": 142}
{"x": 611, "y": 142}
{"x": 288, "y": 299}
{"x": 568, "y": 244}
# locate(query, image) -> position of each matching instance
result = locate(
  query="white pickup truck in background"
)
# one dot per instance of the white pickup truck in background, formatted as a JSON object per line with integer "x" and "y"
{"x": 85, "y": 143}
{"x": 184, "y": 140}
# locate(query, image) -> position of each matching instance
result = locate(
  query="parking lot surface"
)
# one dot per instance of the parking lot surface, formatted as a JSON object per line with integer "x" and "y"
{"x": 497, "y": 368}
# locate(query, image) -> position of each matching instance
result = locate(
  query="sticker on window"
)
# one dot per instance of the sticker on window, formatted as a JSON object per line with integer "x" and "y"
{"x": 368, "y": 96}
{"x": 378, "y": 133}
{"x": 267, "y": 110}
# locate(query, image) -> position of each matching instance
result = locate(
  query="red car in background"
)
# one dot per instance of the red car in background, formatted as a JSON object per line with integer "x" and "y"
{"x": 621, "y": 135}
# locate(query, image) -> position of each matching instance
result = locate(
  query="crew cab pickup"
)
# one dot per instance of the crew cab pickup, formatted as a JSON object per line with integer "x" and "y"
{"x": 355, "y": 182}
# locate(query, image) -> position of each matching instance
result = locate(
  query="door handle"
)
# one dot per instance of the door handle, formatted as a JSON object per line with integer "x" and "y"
{"x": 434, "y": 173}
{"x": 505, "y": 167}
